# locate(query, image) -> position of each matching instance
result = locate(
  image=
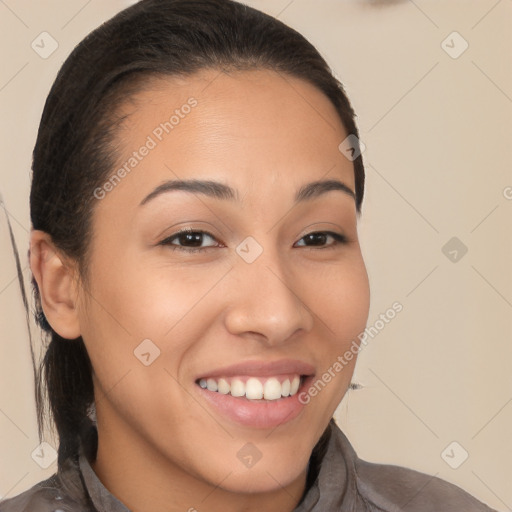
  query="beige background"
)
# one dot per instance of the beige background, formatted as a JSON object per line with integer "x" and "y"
{"x": 438, "y": 155}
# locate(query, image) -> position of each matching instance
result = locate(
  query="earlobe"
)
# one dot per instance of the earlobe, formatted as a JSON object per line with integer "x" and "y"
{"x": 57, "y": 287}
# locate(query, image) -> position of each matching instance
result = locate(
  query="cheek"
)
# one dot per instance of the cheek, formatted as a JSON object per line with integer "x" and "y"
{"x": 341, "y": 302}
{"x": 340, "y": 297}
{"x": 131, "y": 300}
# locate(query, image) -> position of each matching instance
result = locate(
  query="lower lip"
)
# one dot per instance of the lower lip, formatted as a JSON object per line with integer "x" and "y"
{"x": 256, "y": 413}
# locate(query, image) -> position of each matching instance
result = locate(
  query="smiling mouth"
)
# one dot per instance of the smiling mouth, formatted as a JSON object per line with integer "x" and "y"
{"x": 255, "y": 388}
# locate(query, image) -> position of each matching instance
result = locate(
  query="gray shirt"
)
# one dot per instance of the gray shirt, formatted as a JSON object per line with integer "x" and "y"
{"x": 343, "y": 483}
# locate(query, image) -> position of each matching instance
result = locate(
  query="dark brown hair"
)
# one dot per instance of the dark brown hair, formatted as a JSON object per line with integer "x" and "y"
{"x": 75, "y": 147}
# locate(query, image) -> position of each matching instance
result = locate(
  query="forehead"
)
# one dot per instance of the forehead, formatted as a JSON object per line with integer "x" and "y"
{"x": 253, "y": 129}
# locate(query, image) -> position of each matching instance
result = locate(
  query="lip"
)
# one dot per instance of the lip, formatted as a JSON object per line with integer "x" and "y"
{"x": 260, "y": 414}
{"x": 261, "y": 369}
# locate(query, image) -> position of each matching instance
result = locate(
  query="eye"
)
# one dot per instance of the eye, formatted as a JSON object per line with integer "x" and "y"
{"x": 189, "y": 240}
{"x": 318, "y": 238}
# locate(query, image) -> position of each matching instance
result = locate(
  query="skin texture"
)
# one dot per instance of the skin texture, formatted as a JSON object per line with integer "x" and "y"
{"x": 161, "y": 445}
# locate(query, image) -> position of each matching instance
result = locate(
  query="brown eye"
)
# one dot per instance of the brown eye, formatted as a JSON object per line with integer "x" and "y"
{"x": 319, "y": 239}
{"x": 188, "y": 240}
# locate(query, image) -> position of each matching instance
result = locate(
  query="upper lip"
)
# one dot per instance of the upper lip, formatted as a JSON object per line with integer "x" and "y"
{"x": 261, "y": 369}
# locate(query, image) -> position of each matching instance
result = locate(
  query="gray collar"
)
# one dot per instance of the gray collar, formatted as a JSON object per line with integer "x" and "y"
{"x": 102, "y": 499}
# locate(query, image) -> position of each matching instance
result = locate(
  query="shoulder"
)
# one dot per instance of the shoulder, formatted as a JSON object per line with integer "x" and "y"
{"x": 391, "y": 488}
{"x": 45, "y": 496}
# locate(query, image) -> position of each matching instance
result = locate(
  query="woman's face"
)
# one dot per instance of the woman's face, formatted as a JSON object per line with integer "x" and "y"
{"x": 249, "y": 297}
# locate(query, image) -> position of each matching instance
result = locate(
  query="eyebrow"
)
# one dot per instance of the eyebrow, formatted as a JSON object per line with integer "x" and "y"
{"x": 219, "y": 190}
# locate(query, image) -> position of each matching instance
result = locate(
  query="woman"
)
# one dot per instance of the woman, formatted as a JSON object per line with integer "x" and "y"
{"x": 197, "y": 182}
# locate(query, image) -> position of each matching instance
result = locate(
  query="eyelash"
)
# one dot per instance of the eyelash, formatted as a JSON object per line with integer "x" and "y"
{"x": 338, "y": 240}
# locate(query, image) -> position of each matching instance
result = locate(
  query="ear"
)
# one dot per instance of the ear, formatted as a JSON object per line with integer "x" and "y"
{"x": 55, "y": 277}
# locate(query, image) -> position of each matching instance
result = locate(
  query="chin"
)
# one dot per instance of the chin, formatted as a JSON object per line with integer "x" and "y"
{"x": 263, "y": 480}
{"x": 264, "y": 476}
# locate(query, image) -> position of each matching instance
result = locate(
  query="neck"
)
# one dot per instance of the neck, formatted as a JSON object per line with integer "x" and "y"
{"x": 145, "y": 480}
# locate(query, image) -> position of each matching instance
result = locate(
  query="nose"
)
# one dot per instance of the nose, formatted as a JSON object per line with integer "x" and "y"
{"x": 265, "y": 302}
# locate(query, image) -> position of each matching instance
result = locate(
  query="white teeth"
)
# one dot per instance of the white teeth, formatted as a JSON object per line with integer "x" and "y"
{"x": 294, "y": 386}
{"x": 223, "y": 386}
{"x": 285, "y": 388}
{"x": 253, "y": 389}
{"x": 211, "y": 384}
{"x": 237, "y": 388}
{"x": 272, "y": 389}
